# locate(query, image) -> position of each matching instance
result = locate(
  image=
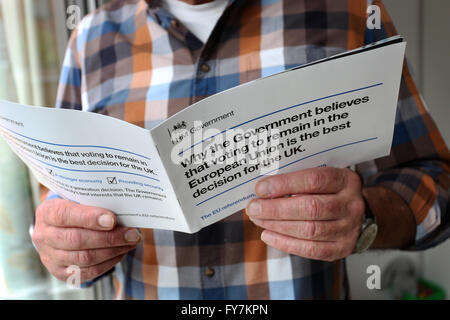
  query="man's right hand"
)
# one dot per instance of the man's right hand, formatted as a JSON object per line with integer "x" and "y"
{"x": 67, "y": 234}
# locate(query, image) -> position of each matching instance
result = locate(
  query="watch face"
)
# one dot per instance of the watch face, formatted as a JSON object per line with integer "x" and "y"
{"x": 367, "y": 237}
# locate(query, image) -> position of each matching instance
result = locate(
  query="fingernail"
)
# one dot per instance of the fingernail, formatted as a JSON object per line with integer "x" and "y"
{"x": 264, "y": 188}
{"x": 254, "y": 209}
{"x": 265, "y": 237}
{"x": 106, "y": 221}
{"x": 132, "y": 235}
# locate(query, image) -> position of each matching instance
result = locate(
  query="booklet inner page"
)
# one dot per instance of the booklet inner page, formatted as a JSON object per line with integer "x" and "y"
{"x": 94, "y": 160}
{"x": 335, "y": 113}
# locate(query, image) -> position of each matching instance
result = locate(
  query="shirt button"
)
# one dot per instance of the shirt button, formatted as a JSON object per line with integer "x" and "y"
{"x": 205, "y": 67}
{"x": 209, "y": 272}
{"x": 174, "y": 23}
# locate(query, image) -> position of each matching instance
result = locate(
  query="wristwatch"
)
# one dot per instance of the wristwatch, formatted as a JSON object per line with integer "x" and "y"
{"x": 369, "y": 230}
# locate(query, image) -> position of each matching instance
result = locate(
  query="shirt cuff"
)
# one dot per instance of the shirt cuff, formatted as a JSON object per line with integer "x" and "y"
{"x": 421, "y": 193}
{"x": 52, "y": 195}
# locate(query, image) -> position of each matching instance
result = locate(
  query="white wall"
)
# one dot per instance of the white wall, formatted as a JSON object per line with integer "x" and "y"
{"x": 426, "y": 27}
{"x": 436, "y": 64}
{"x": 436, "y": 78}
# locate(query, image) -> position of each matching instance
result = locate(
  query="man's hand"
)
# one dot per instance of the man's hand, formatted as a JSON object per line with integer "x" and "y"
{"x": 68, "y": 234}
{"x": 315, "y": 213}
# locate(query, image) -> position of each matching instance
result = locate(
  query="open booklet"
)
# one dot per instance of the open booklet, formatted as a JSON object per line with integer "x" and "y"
{"x": 201, "y": 165}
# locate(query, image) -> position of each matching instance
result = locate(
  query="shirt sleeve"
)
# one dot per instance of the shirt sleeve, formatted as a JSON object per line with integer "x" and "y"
{"x": 418, "y": 167}
{"x": 69, "y": 89}
{"x": 69, "y": 97}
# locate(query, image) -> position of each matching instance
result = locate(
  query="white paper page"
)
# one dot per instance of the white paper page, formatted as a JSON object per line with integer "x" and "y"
{"x": 297, "y": 103}
{"x": 94, "y": 160}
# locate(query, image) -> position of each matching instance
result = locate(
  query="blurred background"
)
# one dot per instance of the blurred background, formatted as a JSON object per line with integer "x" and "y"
{"x": 33, "y": 39}
{"x": 426, "y": 26}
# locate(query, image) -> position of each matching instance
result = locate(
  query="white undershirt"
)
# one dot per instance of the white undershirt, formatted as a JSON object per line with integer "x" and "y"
{"x": 200, "y": 19}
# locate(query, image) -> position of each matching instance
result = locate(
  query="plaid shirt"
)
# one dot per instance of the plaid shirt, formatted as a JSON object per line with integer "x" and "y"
{"x": 133, "y": 60}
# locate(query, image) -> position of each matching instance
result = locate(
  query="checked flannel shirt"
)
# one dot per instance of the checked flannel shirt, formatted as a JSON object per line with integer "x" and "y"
{"x": 134, "y": 61}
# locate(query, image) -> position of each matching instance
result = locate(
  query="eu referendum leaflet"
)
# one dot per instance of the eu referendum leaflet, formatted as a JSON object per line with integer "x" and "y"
{"x": 202, "y": 164}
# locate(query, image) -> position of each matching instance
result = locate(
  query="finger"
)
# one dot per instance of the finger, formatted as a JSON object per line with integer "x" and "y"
{"x": 88, "y": 257}
{"x": 306, "y": 230}
{"x": 315, "y": 180}
{"x": 63, "y": 213}
{"x": 87, "y": 273}
{"x": 81, "y": 239}
{"x": 316, "y": 250}
{"x": 90, "y": 273}
{"x": 303, "y": 207}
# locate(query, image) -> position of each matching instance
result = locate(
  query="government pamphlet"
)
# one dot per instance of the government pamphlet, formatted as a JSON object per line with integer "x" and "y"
{"x": 201, "y": 165}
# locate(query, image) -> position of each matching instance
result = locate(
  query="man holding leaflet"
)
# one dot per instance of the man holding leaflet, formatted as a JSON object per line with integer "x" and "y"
{"x": 143, "y": 61}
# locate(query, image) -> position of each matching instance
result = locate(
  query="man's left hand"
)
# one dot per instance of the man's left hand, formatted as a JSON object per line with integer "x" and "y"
{"x": 315, "y": 213}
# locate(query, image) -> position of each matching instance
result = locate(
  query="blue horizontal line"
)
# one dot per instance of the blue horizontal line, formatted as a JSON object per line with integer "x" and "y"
{"x": 74, "y": 146}
{"x": 104, "y": 171}
{"x": 76, "y": 170}
{"x": 287, "y": 108}
{"x": 288, "y": 164}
